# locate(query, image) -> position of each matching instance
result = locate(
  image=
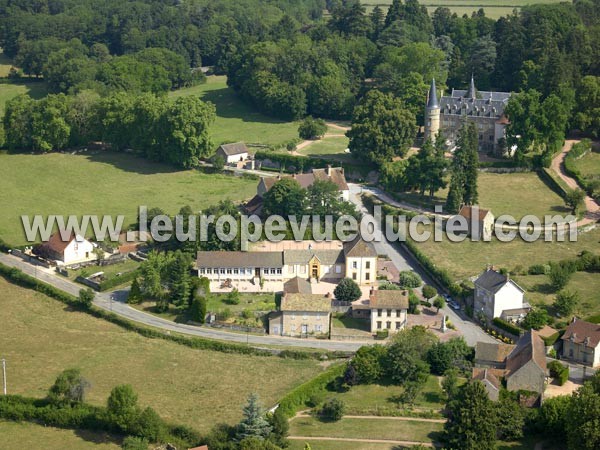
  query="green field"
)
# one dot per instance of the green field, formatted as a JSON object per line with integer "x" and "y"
{"x": 103, "y": 183}
{"x": 389, "y": 428}
{"x": 467, "y": 259}
{"x": 236, "y": 120}
{"x": 494, "y": 9}
{"x": 40, "y": 338}
{"x": 589, "y": 165}
{"x": 29, "y": 435}
{"x": 329, "y": 148}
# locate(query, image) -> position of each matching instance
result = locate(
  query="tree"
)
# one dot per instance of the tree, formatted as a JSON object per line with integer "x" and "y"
{"x": 413, "y": 303}
{"x": 553, "y": 416}
{"x": 443, "y": 356}
{"x": 406, "y": 355}
{"x": 324, "y": 199}
{"x": 69, "y": 387}
{"x": 471, "y": 421}
{"x": 410, "y": 392}
{"x": 254, "y": 423}
{"x": 450, "y": 383}
{"x": 382, "y": 128}
{"x": 198, "y": 309}
{"x": 535, "y": 319}
{"x": 149, "y": 425}
{"x": 333, "y": 409}
{"x": 582, "y": 419}
{"x": 559, "y": 275}
{"x": 409, "y": 279}
{"x": 86, "y": 298}
{"x": 218, "y": 162}
{"x": 566, "y": 302}
{"x": 347, "y": 290}
{"x": 510, "y": 419}
{"x": 312, "y": 128}
{"x": 280, "y": 427}
{"x": 439, "y": 302}
{"x": 122, "y": 406}
{"x": 574, "y": 199}
{"x": 135, "y": 293}
{"x": 233, "y": 297}
{"x": 463, "y": 182}
{"x": 285, "y": 198}
{"x": 368, "y": 364}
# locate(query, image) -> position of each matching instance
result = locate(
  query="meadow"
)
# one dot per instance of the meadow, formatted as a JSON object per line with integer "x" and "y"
{"x": 494, "y": 9}
{"x": 35, "y": 89}
{"x": 199, "y": 388}
{"x": 103, "y": 183}
{"x": 236, "y": 120}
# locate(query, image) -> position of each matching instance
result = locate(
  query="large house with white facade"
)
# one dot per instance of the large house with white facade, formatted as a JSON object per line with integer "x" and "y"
{"x": 71, "y": 250}
{"x": 286, "y": 260}
{"x": 496, "y": 295}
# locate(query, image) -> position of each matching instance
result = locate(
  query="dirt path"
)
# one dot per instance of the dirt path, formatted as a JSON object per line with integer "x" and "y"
{"x": 371, "y": 441}
{"x": 402, "y": 418}
{"x": 558, "y": 165}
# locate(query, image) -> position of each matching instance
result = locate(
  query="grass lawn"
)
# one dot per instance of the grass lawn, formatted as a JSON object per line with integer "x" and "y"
{"x": 466, "y": 259}
{"x": 236, "y": 120}
{"x": 344, "y": 321}
{"x": 540, "y": 292}
{"x": 371, "y": 397}
{"x": 29, "y": 435}
{"x": 41, "y": 337}
{"x": 35, "y": 89}
{"x": 103, "y": 183}
{"x": 128, "y": 265}
{"x": 327, "y": 146}
{"x": 589, "y": 165}
{"x": 399, "y": 430}
{"x": 341, "y": 445}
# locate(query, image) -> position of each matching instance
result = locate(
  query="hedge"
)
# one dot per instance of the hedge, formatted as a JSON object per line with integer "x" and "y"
{"x": 507, "y": 326}
{"x": 81, "y": 416}
{"x": 299, "y": 397}
{"x": 558, "y": 372}
{"x": 16, "y": 276}
{"x": 287, "y": 160}
{"x": 116, "y": 281}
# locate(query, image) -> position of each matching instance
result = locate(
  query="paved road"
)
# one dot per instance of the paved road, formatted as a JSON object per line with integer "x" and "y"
{"x": 115, "y": 302}
{"x": 404, "y": 261}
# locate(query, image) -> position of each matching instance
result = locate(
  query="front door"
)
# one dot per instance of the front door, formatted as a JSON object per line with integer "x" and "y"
{"x": 315, "y": 271}
{"x": 257, "y": 272}
{"x": 304, "y": 329}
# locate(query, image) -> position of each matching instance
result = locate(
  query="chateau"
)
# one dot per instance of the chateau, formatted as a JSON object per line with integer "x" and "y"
{"x": 484, "y": 108}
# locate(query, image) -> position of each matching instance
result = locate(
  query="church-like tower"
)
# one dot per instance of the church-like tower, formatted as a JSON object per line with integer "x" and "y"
{"x": 432, "y": 113}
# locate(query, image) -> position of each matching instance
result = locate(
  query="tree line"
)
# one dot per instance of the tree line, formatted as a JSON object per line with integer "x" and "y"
{"x": 175, "y": 132}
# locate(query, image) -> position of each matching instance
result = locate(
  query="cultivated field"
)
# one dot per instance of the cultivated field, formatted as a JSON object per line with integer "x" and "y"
{"x": 493, "y": 8}
{"x": 29, "y": 435}
{"x": 40, "y": 338}
{"x": 236, "y": 120}
{"x": 103, "y": 183}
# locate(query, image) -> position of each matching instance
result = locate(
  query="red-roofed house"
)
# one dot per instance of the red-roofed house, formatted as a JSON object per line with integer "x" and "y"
{"x": 73, "y": 249}
{"x": 581, "y": 343}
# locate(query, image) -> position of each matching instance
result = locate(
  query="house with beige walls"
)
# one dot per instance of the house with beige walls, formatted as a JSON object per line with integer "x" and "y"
{"x": 301, "y": 315}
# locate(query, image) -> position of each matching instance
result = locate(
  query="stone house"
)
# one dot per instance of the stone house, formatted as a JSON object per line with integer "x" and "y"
{"x": 480, "y": 222}
{"x": 233, "y": 153}
{"x": 526, "y": 365}
{"x": 301, "y": 315}
{"x": 388, "y": 310}
{"x": 581, "y": 343}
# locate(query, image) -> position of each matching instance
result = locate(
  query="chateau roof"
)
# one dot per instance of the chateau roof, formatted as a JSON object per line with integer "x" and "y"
{"x": 474, "y": 103}
{"x": 432, "y": 100}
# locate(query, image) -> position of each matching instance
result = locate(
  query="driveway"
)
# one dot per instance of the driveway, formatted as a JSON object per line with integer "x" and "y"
{"x": 404, "y": 261}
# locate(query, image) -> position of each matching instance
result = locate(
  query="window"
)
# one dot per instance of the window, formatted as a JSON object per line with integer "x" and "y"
{"x": 209, "y": 270}
{"x": 379, "y": 324}
{"x": 228, "y": 271}
{"x": 398, "y": 313}
{"x": 338, "y": 269}
{"x": 302, "y": 269}
{"x": 202, "y": 271}
{"x": 266, "y": 271}
{"x": 398, "y": 325}
{"x": 236, "y": 271}
{"x": 273, "y": 271}
{"x": 278, "y": 271}
{"x": 388, "y": 325}
{"x": 318, "y": 328}
{"x": 379, "y": 312}
{"x": 367, "y": 276}
{"x": 354, "y": 265}
{"x": 222, "y": 271}
{"x": 389, "y": 313}
{"x": 354, "y": 275}
{"x": 368, "y": 265}
{"x": 291, "y": 269}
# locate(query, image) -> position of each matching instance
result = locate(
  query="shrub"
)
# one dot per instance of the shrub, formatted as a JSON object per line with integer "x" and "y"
{"x": 429, "y": 291}
{"x": 560, "y": 274}
{"x": 312, "y": 128}
{"x": 565, "y": 302}
{"x": 347, "y": 291}
{"x": 198, "y": 309}
{"x": 507, "y": 326}
{"x": 539, "y": 269}
{"x": 380, "y": 335}
{"x": 409, "y": 279}
{"x": 134, "y": 443}
{"x": 118, "y": 280}
{"x": 559, "y": 372}
{"x": 233, "y": 297}
{"x": 536, "y": 319}
{"x": 332, "y": 409}
{"x": 86, "y": 298}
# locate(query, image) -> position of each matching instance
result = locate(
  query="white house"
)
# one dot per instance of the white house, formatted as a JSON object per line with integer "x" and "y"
{"x": 73, "y": 249}
{"x": 496, "y": 295}
{"x": 233, "y": 153}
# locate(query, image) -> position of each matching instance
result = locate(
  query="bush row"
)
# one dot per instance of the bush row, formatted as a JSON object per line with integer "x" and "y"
{"x": 286, "y": 160}
{"x": 507, "y": 326}
{"x": 579, "y": 150}
{"x": 300, "y": 396}
{"x": 26, "y": 281}
{"x": 81, "y": 416}
{"x": 116, "y": 281}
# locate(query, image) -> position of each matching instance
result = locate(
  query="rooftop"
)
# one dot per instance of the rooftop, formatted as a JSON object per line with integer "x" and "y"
{"x": 389, "y": 299}
{"x": 492, "y": 351}
{"x": 582, "y": 332}
{"x": 492, "y": 281}
{"x": 297, "y": 285}
{"x": 469, "y": 211}
{"x": 305, "y": 302}
{"x": 227, "y": 260}
{"x": 530, "y": 347}
{"x": 237, "y": 148}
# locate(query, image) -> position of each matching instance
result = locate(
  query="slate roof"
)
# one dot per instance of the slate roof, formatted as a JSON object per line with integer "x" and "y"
{"x": 389, "y": 299}
{"x": 474, "y": 103}
{"x": 254, "y": 205}
{"x": 493, "y": 281}
{"x": 580, "y": 330}
{"x": 297, "y": 285}
{"x": 239, "y": 259}
{"x": 432, "y": 100}
{"x": 467, "y": 212}
{"x": 236, "y": 148}
{"x": 327, "y": 257}
{"x": 359, "y": 248}
{"x": 530, "y": 347}
{"x": 305, "y": 302}
{"x": 492, "y": 351}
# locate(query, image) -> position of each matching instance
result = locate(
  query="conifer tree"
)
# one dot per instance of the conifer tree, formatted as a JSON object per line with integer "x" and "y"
{"x": 135, "y": 293}
{"x": 254, "y": 423}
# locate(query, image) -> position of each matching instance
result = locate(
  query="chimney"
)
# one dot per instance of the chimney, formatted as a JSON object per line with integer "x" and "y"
{"x": 328, "y": 170}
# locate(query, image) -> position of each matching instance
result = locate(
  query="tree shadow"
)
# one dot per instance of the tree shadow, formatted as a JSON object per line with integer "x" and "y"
{"x": 128, "y": 162}
{"x": 99, "y": 437}
{"x": 433, "y": 397}
{"x": 561, "y": 209}
{"x": 544, "y": 288}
